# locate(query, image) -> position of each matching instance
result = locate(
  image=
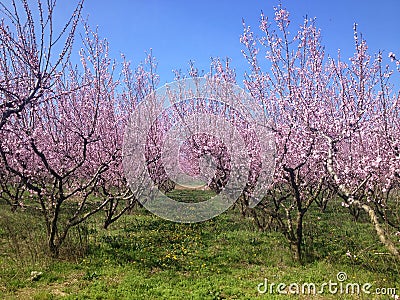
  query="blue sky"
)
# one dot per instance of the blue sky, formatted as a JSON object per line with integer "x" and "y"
{"x": 179, "y": 31}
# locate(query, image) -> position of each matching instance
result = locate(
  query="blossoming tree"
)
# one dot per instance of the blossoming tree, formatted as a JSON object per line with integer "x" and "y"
{"x": 336, "y": 125}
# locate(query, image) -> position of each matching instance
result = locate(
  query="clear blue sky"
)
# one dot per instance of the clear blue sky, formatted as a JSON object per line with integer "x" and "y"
{"x": 179, "y": 31}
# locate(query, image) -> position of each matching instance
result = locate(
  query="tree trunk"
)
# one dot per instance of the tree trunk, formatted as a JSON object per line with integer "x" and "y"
{"x": 382, "y": 235}
{"x": 53, "y": 247}
{"x": 53, "y": 243}
{"x": 299, "y": 236}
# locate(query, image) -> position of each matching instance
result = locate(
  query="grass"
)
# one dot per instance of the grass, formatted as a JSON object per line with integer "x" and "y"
{"x": 144, "y": 257}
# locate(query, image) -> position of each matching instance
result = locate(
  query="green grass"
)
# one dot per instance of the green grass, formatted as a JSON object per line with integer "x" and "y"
{"x": 144, "y": 257}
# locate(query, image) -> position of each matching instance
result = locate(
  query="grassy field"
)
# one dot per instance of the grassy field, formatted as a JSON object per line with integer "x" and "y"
{"x": 144, "y": 257}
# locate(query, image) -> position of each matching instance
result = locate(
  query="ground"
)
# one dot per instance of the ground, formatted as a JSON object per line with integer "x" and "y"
{"x": 144, "y": 257}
